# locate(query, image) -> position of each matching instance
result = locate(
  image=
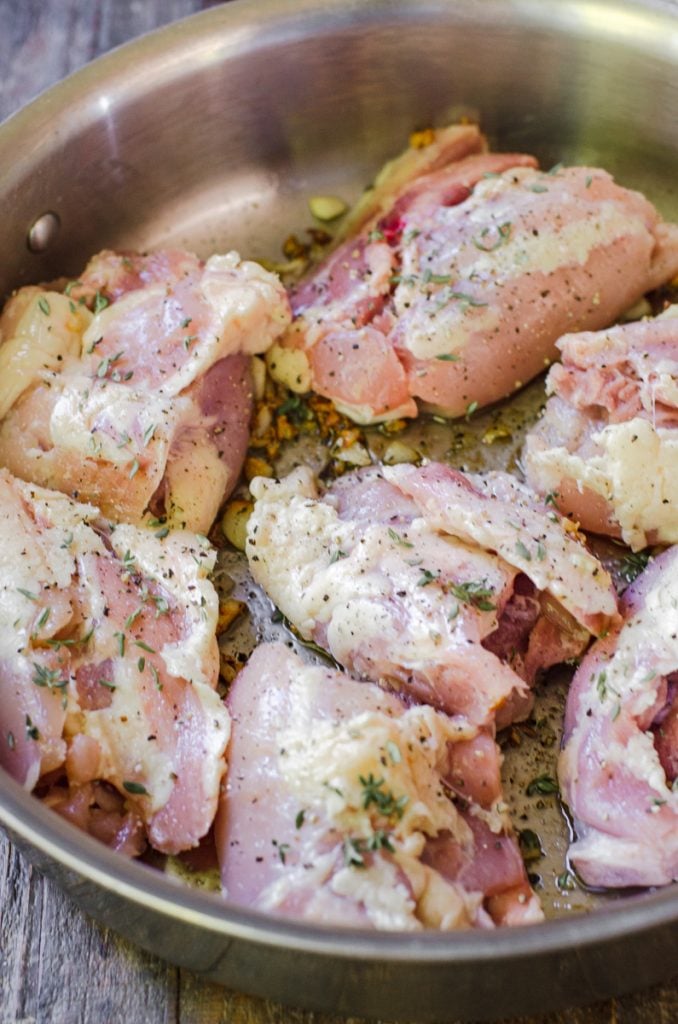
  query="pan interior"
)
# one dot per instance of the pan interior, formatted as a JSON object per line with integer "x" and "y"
{"x": 216, "y": 135}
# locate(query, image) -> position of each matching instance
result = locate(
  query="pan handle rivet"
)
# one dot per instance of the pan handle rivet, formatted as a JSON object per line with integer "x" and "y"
{"x": 43, "y": 231}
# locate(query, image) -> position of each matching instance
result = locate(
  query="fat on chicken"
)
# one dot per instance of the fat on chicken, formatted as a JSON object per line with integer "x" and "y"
{"x": 108, "y": 669}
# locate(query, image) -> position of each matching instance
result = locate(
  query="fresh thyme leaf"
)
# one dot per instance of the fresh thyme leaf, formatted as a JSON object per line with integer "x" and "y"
{"x": 42, "y": 621}
{"x": 295, "y": 409}
{"x": 135, "y": 787}
{"x": 71, "y": 641}
{"x": 100, "y": 302}
{"x": 353, "y": 857}
{"x": 486, "y": 244}
{"x": 333, "y": 789}
{"x": 131, "y": 619}
{"x": 467, "y": 301}
{"x": 282, "y": 849}
{"x": 426, "y": 577}
{"x": 475, "y": 593}
{"x": 380, "y": 840}
{"x": 383, "y": 799}
{"x": 428, "y": 276}
{"x": 399, "y": 539}
{"x": 128, "y": 560}
{"x": 522, "y": 551}
{"x": 542, "y": 784}
{"x": 51, "y": 678}
{"x": 144, "y": 646}
{"x": 148, "y": 433}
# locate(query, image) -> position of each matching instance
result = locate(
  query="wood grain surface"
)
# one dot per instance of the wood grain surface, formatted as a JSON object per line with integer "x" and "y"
{"x": 56, "y": 965}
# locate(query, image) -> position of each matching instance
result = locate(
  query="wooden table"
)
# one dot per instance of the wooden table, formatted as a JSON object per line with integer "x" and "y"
{"x": 56, "y": 965}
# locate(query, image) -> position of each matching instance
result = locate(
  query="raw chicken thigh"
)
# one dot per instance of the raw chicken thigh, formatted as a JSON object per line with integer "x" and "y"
{"x": 606, "y": 446}
{"x": 457, "y": 282}
{"x": 141, "y": 406}
{"x": 108, "y": 668}
{"x": 619, "y": 766}
{"x": 344, "y": 806}
{"x": 453, "y": 590}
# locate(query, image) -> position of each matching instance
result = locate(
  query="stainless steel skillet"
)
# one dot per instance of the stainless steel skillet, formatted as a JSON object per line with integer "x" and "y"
{"x": 215, "y": 132}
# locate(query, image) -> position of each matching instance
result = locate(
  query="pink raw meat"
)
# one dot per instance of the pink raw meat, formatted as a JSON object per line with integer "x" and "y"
{"x": 331, "y": 853}
{"x": 618, "y": 766}
{"x": 145, "y": 409}
{"x": 108, "y": 669}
